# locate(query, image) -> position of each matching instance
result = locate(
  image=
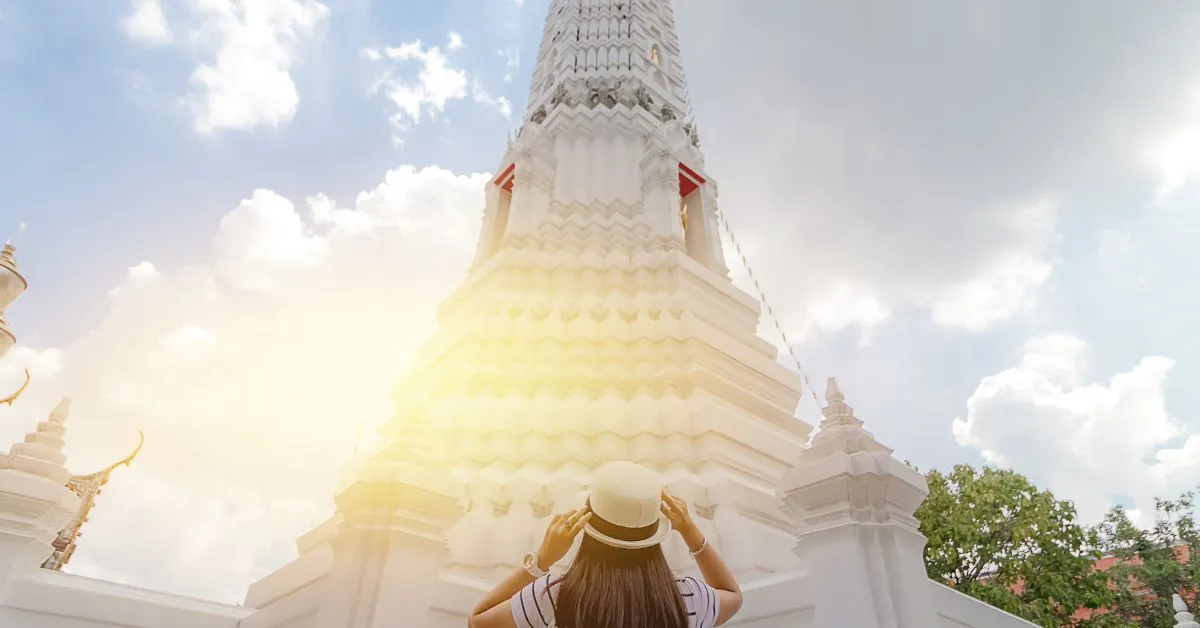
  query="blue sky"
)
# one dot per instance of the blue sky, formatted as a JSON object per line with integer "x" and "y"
{"x": 978, "y": 212}
{"x": 86, "y": 100}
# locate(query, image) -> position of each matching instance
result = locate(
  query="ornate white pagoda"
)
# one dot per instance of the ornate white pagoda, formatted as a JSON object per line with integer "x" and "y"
{"x": 598, "y": 322}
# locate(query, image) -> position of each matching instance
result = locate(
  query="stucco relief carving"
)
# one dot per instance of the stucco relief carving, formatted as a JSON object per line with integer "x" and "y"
{"x": 534, "y": 173}
{"x": 576, "y": 93}
{"x": 627, "y": 94}
{"x": 603, "y": 92}
{"x": 523, "y": 152}
{"x": 560, "y": 96}
{"x": 659, "y": 175}
{"x": 692, "y": 133}
{"x": 644, "y": 98}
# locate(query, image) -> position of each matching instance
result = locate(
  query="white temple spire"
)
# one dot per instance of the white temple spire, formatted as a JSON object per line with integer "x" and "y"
{"x": 618, "y": 43}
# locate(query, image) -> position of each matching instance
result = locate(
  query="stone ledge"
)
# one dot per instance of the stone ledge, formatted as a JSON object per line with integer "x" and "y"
{"x": 91, "y": 601}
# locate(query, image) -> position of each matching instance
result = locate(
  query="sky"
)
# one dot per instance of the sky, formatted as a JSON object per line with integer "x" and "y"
{"x": 242, "y": 214}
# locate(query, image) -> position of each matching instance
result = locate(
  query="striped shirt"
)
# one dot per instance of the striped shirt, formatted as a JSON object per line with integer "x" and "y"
{"x": 533, "y": 606}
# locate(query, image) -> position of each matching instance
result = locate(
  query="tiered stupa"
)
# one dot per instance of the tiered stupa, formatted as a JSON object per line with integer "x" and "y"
{"x": 598, "y": 322}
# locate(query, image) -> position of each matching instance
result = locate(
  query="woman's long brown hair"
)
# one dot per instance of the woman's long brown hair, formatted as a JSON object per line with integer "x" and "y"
{"x": 607, "y": 587}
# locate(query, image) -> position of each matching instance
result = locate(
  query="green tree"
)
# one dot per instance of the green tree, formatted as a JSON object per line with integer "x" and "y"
{"x": 1151, "y": 564}
{"x": 994, "y": 536}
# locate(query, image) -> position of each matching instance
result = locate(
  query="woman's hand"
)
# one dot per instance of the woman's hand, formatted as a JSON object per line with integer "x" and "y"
{"x": 681, "y": 520}
{"x": 564, "y": 527}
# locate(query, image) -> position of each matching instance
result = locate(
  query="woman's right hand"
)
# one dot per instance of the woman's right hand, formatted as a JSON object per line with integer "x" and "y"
{"x": 676, "y": 511}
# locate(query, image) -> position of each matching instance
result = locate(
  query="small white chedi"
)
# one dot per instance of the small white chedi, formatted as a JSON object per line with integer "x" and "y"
{"x": 598, "y": 322}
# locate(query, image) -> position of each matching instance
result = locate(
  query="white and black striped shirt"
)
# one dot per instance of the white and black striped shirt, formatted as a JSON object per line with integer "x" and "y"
{"x": 533, "y": 606}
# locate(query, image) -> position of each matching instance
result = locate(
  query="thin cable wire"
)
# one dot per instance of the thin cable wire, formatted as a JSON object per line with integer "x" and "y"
{"x": 762, "y": 297}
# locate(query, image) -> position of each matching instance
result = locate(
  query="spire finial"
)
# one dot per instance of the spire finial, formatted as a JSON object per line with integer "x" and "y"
{"x": 15, "y": 241}
{"x": 837, "y": 412}
{"x": 10, "y": 247}
{"x": 840, "y": 429}
{"x": 58, "y": 415}
{"x": 833, "y": 392}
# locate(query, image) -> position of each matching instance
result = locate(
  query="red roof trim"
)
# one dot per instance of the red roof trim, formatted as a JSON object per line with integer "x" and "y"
{"x": 688, "y": 180}
{"x": 505, "y": 180}
{"x": 683, "y": 169}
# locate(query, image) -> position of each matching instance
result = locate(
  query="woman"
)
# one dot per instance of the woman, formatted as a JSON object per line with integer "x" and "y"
{"x": 620, "y": 577}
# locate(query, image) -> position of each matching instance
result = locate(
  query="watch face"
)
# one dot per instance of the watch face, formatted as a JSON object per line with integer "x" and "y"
{"x": 528, "y": 562}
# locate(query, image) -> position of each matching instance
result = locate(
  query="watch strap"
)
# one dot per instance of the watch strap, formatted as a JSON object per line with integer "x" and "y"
{"x": 531, "y": 565}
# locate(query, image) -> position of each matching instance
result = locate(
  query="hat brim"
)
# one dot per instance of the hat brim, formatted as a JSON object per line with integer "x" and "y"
{"x": 664, "y": 528}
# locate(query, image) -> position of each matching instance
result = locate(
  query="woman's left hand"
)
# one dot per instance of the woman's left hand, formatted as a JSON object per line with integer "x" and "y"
{"x": 564, "y": 527}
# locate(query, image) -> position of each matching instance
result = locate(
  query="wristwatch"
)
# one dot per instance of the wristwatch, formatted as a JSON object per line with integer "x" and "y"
{"x": 530, "y": 563}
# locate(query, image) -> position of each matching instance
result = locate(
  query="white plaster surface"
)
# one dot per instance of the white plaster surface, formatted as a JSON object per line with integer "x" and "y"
{"x": 594, "y": 326}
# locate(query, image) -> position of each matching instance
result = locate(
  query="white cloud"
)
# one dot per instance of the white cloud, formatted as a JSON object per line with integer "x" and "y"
{"x": 262, "y": 237}
{"x": 248, "y": 50}
{"x": 250, "y": 376}
{"x": 499, "y": 103}
{"x": 1007, "y": 284}
{"x": 1094, "y": 443}
{"x": 1176, "y": 157}
{"x": 147, "y": 23}
{"x": 947, "y": 168}
{"x": 254, "y": 45}
{"x": 188, "y": 339}
{"x": 512, "y": 61}
{"x": 845, "y": 306}
{"x": 437, "y": 83}
{"x": 998, "y": 295}
{"x": 849, "y": 288}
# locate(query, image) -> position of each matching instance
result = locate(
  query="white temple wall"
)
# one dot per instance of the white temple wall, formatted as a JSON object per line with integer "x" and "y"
{"x": 596, "y": 168}
{"x": 305, "y": 569}
{"x": 291, "y": 608}
{"x": 51, "y": 599}
{"x": 956, "y": 610}
{"x": 55, "y": 600}
{"x": 21, "y": 619}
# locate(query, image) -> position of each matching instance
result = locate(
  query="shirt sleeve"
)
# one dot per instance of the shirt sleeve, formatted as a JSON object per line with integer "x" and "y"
{"x": 533, "y": 606}
{"x": 701, "y": 601}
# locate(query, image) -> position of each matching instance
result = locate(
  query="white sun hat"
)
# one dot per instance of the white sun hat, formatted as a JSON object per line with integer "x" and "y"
{"x": 625, "y": 500}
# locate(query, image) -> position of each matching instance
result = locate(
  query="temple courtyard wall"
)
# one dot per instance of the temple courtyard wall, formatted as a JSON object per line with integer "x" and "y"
{"x": 859, "y": 549}
{"x": 47, "y": 599}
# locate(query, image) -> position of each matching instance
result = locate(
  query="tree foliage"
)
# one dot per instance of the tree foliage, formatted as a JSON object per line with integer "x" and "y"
{"x": 1152, "y": 564}
{"x": 994, "y": 536}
